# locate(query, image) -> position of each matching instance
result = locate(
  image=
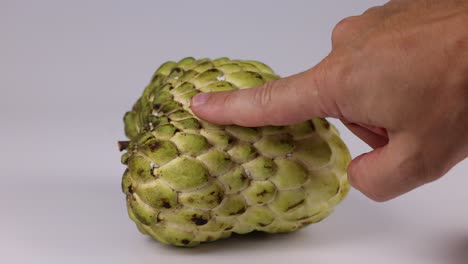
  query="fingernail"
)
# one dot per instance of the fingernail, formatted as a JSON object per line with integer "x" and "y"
{"x": 199, "y": 99}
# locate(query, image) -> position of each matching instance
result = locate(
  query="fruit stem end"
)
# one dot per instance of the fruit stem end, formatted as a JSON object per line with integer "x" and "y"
{"x": 123, "y": 145}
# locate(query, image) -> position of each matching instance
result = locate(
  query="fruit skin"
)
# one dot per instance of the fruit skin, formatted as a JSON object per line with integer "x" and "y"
{"x": 188, "y": 181}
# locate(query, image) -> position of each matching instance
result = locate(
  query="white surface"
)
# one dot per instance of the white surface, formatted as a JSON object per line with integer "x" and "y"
{"x": 70, "y": 69}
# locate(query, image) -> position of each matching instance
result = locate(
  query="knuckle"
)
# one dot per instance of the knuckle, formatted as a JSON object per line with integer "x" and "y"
{"x": 266, "y": 98}
{"x": 343, "y": 28}
{"x": 263, "y": 96}
{"x": 228, "y": 98}
{"x": 326, "y": 95}
{"x": 336, "y": 86}
{"x": 346, "y": 23}
{"x": 372, "y": 10}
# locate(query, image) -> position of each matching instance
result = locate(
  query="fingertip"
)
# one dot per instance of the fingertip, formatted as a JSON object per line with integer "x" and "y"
{"x": 197, "y": 103}
{"x": 364, "y": 177}
{"x": 354, "y": 171}
{"x": 212, "y": 107}
{"x": 199, "y": 100}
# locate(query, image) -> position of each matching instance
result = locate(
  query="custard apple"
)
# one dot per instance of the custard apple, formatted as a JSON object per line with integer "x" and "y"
{"x": 188, "y": 181}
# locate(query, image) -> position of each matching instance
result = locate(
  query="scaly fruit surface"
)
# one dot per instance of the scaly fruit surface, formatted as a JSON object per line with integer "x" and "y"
{"x": 188, "y": 181}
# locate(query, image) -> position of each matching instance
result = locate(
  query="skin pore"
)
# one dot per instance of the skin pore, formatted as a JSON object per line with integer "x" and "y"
{"x": 397, "y": 77}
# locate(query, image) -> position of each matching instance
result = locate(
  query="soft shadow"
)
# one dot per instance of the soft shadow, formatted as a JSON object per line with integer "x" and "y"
{"x": 240, "y": 243}
{"x": 451, "y": 250}
{"x": 459, "y": 252}
{"x": 357, "y": 218}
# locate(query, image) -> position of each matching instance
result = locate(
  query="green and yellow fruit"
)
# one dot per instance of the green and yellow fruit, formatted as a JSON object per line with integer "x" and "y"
{"x": 188, "y": 181}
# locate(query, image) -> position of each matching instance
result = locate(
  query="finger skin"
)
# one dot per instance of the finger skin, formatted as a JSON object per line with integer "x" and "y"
{"x": 397, "y": 76}
{"x": 282, "y": 102}
{"x": 372, "y": 138}
{"x": 406, "y": 76}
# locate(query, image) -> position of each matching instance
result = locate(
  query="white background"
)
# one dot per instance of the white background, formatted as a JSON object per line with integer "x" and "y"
{"x": 70, "y": 69}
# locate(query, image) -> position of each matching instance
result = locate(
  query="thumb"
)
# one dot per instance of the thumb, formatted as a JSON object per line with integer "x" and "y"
{"x": 280, "y": 102}
{"x": 388, "y": 171}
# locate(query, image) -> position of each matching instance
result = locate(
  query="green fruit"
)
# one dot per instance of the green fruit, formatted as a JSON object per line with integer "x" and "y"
{"x": 188, "y": 181}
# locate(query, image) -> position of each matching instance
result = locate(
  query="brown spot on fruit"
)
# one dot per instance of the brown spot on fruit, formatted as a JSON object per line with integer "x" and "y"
{"x": 165, "y": 203}
{"x": 158, "y": 218}
{"x": 198, "y": 220}
{"x": 307, "y": 216}
{"x": 219, "y": 198}
{"x": 123, "y": 145}
{"x": 295, "y": 205}
{"x": 131, "y": 197}
{"x": 240, "y": 211}
{"x": 337, "y": 189}
{"x": 312, "y": 126}
{"x": 155, "y": 77}
{"x": 153, "y": 146}
{"x": 256, "y": 75}
{"x": 185, "y": 241}
{"x": 243, "y": 177}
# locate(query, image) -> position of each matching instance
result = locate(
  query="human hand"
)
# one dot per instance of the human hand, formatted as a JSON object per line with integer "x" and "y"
{"x": 397, "y": 77}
